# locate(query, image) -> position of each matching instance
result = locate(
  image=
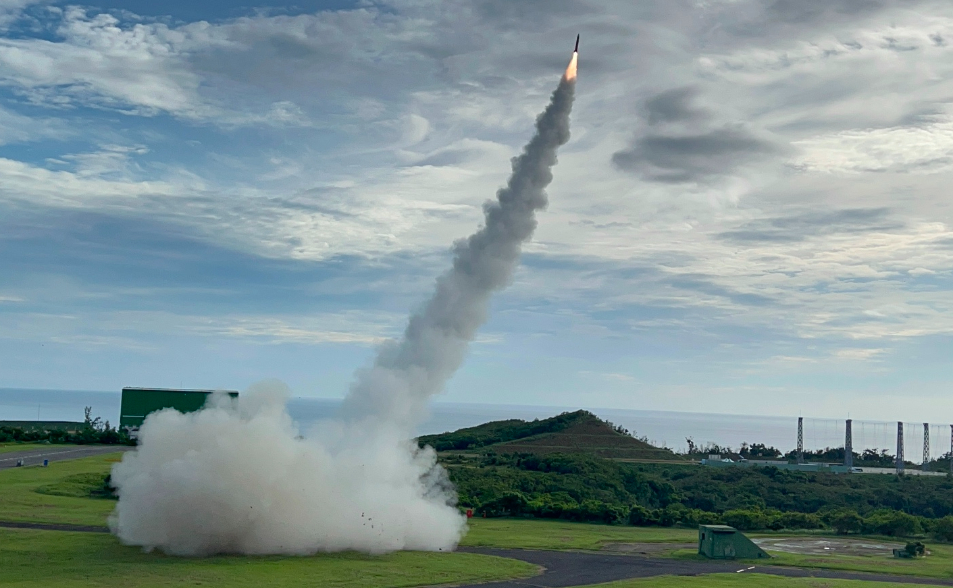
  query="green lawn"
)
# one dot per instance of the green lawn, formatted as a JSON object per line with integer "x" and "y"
{"x": 38, "y": 559}
{"x": 542, "y": 534}
{"x": 744, "y": 581}
{"x": 11, "y": 447}
{"x": 937, "y": 565}
{"x": 19, "y": 500}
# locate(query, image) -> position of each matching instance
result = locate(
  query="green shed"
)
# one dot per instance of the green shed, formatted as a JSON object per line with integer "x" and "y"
{"x": 137, "y": 403}
{"x": 724, "y": 542}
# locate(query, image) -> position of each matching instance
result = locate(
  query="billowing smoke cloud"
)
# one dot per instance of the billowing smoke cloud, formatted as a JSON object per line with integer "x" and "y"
{"x": 236, "y": 477}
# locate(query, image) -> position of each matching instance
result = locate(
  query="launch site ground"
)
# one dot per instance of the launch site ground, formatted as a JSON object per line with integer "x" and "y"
{"x": 496, "y": 553}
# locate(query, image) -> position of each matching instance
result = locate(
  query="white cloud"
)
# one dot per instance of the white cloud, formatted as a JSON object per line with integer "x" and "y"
{"x": 858, "y": 354}
{"x": 911, "y": 149}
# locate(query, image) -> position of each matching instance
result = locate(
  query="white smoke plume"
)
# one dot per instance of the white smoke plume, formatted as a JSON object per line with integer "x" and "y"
{"x": 236, "y": 477}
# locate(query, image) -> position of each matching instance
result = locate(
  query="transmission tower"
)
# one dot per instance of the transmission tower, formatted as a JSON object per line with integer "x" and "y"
{"x": 848, "y": 447}
{"x": 926, "y": 448}
{"x": 800, "y": 439}
{"x": 899, "y": 447}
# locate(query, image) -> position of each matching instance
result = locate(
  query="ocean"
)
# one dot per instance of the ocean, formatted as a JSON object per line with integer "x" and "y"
{"x": 663, "y": 428}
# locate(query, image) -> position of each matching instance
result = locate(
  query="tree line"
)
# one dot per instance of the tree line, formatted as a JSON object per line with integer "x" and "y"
{"x": 590, "y": 489}
{"x": 91, "y": 431}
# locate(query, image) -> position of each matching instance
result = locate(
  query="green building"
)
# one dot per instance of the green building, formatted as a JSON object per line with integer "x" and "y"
{"x": 137, "y": 403}
{"x": 724, "y": 542}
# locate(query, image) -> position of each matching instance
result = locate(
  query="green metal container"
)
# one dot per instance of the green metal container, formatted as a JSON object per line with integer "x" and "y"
{"x": 138, "y": 403}
{"x": 724, "y": 542}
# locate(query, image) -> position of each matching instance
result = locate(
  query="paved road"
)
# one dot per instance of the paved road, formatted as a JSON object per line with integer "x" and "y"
{"x": 56, "y": 453}
{"x": 571, "y": 568}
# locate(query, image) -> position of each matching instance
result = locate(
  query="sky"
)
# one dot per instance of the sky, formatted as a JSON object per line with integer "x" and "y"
{"x": 753, "y": 215}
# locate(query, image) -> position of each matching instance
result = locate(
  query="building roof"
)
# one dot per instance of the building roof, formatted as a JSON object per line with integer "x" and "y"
{"x": 719, "y": 528}
{"x": 136, "y": 389}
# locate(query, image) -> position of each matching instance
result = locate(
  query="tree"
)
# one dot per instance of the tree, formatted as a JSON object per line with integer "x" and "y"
{"x": 893, "y": 523}
{"x": 640, "y": 516}
{"x": 745, "y": 520}
{"x": 509, "y": 504}
{"x": 943, "y": 529}
{"x": 846, "y": 521}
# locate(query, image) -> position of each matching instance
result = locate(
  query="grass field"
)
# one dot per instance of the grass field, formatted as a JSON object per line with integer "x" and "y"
{"x": 541, "y": 534}
{"x": 19, "y": 500}
{"x": 25, "y": 496}
{"x": 744, "y": 581}
{"x": 11, "y": 447}
{"x": 937, "y": 565}
{"x": 38, "y": 559}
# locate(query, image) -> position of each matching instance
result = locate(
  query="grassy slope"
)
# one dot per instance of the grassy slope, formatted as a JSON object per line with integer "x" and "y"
{"x": 37, "y": 559}
{"x": 576, "y": 432}
{"x": 590, "y": 436}
{"x": 19, "y": 500}
{"x": 543, "y": 534}
{"x": 744, "y": 581}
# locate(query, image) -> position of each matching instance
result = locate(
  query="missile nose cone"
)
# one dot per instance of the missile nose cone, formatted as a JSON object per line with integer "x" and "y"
{"x": 576, "y": 50}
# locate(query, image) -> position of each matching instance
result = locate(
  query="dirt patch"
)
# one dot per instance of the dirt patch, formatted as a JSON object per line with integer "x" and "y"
{"x": 828, "y": 546}
{"x": 646, "y": 548}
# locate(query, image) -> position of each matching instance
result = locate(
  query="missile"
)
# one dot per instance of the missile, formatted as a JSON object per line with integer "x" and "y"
{"x": 576, "y": 50}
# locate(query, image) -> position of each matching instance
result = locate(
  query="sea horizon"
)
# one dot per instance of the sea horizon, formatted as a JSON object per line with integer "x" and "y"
{"x": 660, "y": 427}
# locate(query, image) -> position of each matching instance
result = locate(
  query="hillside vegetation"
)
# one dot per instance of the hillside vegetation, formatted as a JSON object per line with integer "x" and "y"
{"x": 579, "y": 432}
{"x": 557, "y": 468}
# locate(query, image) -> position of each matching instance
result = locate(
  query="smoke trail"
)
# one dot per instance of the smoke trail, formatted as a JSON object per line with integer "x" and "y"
{"x": 235, "y": 477}
{"x": 408, "y": 372}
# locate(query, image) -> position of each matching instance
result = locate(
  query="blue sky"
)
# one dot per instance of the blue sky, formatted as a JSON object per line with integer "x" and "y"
{"x": 753, "y": 215}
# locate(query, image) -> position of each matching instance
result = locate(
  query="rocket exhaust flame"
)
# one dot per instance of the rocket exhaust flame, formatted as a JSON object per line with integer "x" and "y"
{"x": 570, "y": 74}
{"x": 235, "y": 477}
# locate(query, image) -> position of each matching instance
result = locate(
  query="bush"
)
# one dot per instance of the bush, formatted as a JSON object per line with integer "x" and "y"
{"x": 745, "y": 520}
{"x": 893, "y": 523}
{"x": 846, "y": 521}
{"x": 672, "y": 514}
{"x": 640, "y": 516}
{"x": 693, "y": 517}
{"x": 943, "y": 529}
{"x": 510, "y": 504}
{"x": 593, "y": 511}
{"x": 798, "y": 520}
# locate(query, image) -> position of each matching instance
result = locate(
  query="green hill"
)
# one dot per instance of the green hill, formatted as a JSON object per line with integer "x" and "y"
{"x": 579, "y": 432}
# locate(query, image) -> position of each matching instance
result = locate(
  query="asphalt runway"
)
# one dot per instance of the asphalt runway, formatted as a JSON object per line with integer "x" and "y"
{"x": 56, "y": 453}
{"x": 573, "y": 568}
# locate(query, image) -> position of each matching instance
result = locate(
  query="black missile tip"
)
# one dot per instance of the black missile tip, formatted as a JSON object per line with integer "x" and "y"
{"x": 576, "y": 50}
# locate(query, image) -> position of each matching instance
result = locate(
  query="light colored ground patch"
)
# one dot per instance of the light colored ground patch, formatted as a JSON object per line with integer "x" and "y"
{"x": 828, "y": 546}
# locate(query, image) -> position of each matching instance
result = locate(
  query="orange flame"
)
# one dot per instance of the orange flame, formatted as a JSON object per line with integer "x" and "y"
{"x": 570, "y": 74}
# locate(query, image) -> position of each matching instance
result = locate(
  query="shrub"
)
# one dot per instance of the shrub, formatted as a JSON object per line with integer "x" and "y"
{"x": 640, "y": 516}
{"x": 510, "y": 504}
{"x": 798, "y": 520}
{"x": 746, "y": 520}
{"x": 893, "y": 523}
{"x": 943, "y": 529}
{"x": 846, "y": 521}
